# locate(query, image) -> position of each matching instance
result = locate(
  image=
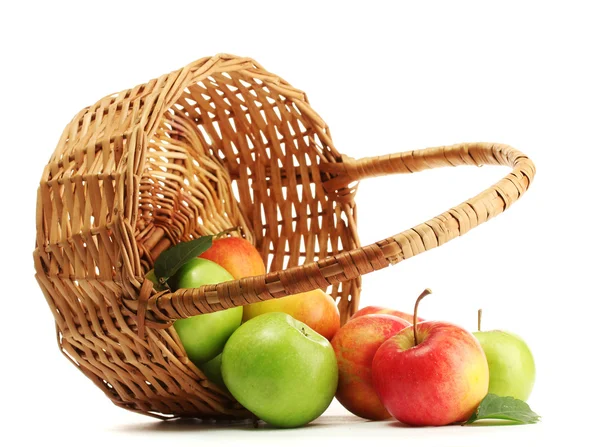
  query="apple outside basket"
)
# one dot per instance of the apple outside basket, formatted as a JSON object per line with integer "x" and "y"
{"x": 220, "y": 143}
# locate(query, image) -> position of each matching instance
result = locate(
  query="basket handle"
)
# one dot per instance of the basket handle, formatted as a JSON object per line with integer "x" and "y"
{"x": 182, "y": 303}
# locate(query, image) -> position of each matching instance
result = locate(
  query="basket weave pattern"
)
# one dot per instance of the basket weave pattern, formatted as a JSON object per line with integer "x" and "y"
{"x": 220, "y": 143}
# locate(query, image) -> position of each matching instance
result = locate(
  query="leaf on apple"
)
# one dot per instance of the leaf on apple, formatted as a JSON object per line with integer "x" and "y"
{"x": 172, "y": 259}
{"x": 506, "y": 408}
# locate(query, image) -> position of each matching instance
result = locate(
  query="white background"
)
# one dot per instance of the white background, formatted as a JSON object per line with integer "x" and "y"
{"x": 386, "y": 77}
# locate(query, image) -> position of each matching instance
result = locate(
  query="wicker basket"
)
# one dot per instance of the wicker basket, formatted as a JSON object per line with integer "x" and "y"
{"x": 219, "y": 143}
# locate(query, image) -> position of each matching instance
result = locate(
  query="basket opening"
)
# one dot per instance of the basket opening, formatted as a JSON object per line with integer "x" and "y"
{"x": 235, "y": 149}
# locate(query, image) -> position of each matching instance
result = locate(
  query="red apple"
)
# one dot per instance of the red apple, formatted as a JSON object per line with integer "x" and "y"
{"x": 384, "y": 310}
{"x": 355, "y": 345}
{"x": 236, "y": 255}
{"x": 439, "y": 381}
{"x": 316, "y": 309}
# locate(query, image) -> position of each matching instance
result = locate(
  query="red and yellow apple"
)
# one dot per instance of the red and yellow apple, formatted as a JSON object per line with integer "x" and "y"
{"x": 438, "y": 381}
{"x": 355, "y": 345}
{"x": 385, "y": 310}
{"x": 236, "y": 255}
{"x": 315, "y": 308}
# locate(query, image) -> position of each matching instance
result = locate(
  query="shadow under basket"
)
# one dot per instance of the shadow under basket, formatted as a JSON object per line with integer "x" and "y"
{"x": 220, "y": 143}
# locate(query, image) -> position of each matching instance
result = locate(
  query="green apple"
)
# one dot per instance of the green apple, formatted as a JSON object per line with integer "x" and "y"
{"x": 151, "y": 275}
{"x": 280, "y": 369}
{"x": 510, "y": 361}
{"x": 204, "y": 336}
{"x": 212, "y": 370}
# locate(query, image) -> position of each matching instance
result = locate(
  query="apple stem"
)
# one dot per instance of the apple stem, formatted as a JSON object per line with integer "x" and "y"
{"x": 239, "y": 229}
{"x": 163, "y": 282}
{"x": 479, "y": 312}
{"x": 421, "y": 296}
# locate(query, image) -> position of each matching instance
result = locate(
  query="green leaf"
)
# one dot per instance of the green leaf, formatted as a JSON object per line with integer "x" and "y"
{"x": 507, "y": 408}
{"x": 172, "y": 259}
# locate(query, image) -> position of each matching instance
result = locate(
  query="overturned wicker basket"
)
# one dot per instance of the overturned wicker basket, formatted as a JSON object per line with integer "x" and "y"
{"x": 218, "y": 144}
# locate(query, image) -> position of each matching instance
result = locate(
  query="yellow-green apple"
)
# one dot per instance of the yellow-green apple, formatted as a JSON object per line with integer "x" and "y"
{"x": 355, "y": 345}
{"x": 433, "y": 373}
{"x": 280, "y": 369}
{"x": 315, "y": 308}
{"x": 511, "y": 364}
{"x": 236, "y": 255}
{"x": 151, "y": 275}
{"x": 212, "y": 370}
{"x": 384, "y": 310}
{"x": 204, "y": 336}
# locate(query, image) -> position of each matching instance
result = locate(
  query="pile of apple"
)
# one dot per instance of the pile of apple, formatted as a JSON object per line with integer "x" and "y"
{"x": 286, "y": 359}
{"x": 425, "y": 373}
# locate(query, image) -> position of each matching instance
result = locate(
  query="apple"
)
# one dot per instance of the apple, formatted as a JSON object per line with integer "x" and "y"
{"x": 315, "y": 308}
{"x": 510, "y": 361}
{"x": 236, "y": 255}
{"x": 212, "y": 370}
{"x": 204, "y": 336}
{"x": 355, "y": 345}
{"x": 384, "y": 310}
{"x": 151, "y": 275}
{"x": 280, "y": 369}
{"x": 433, "y": 373}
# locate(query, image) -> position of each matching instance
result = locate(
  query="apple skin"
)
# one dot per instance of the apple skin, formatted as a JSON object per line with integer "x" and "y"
{"x": 151, "y": 275}
{"x": 440, "y": 381}
{"x": 315, "y": 308}
{"x": 511, "y": 363}
{"x": 384, "y": 310}
{"x": 212, "y": 370}
{"x": 236, "y": 255}
{"x": 204, "y": 336}
{"x": 355, "y": 345}
{"x": 280, "y": 369}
